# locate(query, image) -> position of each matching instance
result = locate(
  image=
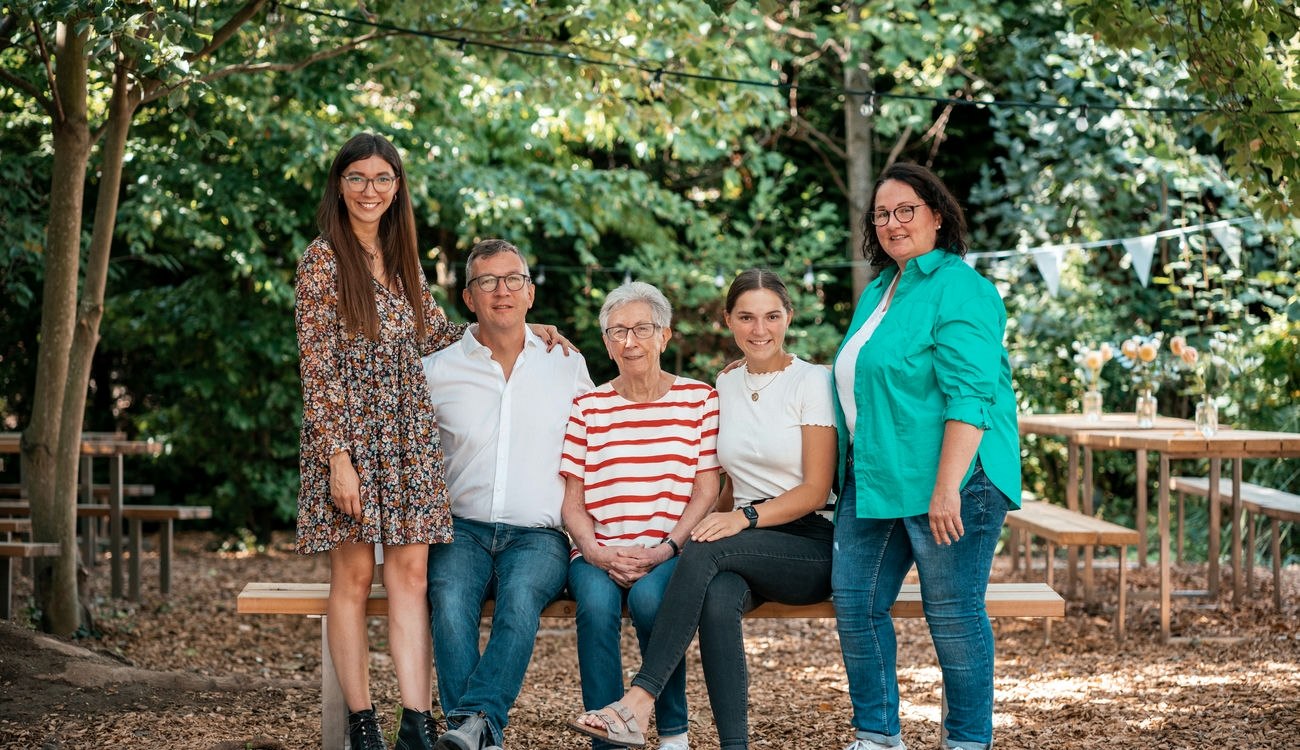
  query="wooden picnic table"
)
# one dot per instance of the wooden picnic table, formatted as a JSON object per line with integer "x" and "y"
{"x": 114, "y": 446}
{"x": 1182, "y": 444}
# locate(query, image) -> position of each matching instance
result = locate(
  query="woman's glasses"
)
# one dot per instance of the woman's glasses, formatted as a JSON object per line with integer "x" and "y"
{"x": 357, "y": 184}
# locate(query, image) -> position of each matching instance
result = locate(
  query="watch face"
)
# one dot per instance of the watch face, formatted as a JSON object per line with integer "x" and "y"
{"x": 750, "y": 512}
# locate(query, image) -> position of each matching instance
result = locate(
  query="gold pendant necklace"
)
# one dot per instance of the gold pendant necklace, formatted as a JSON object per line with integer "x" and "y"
{"x": 753, "y": 392}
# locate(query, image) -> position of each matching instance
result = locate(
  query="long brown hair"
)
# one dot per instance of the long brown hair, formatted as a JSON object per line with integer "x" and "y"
{"x": 396, "y": 240}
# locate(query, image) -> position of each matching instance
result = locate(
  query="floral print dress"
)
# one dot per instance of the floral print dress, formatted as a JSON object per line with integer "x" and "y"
{"x": 371, "y": 398}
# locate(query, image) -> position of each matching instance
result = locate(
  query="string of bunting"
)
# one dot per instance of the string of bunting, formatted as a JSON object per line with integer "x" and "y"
{"x": 658, "y": 72}
{"x": 1140, "y": 249}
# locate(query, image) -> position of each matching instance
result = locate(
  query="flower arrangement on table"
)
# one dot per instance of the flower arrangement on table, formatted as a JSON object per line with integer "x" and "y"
{"x": 1208, "y": 374}
{"x": 1142, "y": 358}
{"x": 1090, "y": 361}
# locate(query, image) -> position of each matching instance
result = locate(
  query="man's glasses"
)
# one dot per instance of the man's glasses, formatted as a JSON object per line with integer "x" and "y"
{"x": 357, "y": 184}
{"x": 904, "y": 214}
{"x": 488, "y": 283}
{"x": 642, "y": 331}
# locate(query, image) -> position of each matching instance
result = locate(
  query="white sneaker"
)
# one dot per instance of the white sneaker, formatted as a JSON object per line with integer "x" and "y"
{"x": 869, "y": 745}
{"x": 676, "y": 742}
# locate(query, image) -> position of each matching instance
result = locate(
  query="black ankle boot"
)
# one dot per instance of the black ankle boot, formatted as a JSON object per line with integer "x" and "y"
{"x": 418, "y": 731}
{"x": 363, "y": 730}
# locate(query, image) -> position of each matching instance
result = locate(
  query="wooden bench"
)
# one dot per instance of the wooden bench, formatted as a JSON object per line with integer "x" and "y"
{"x": 1061, "y": 526}
{"x": 136, "y": 517}
{"x": 9, "y": 551}
{"x": 310, "y": 599}
{"x": 99, "y": 491}
{"x": 1275, "y": 505}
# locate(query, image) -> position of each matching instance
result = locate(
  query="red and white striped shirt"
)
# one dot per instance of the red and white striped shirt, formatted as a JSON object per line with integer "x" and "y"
{"x": 638, "y": 461}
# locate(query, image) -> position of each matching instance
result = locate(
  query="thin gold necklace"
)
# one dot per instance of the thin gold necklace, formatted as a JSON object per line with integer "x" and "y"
{"x": 753, "y": 392}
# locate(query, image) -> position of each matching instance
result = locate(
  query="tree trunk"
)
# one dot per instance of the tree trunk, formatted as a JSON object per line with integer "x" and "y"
{"x": 53, "y": 514}
{"x": 858, "y": 111}
{"x": 90, "y": 309}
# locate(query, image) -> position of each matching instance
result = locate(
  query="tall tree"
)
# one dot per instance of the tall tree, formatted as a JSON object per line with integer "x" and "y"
{"x": 1242, "y": 59}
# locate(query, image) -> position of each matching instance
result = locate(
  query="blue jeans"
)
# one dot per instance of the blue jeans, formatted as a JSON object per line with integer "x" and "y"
{"x": 714, "y": 585}
{"x": 523, "y": 570}
{"x": 872, "y": 556}
{"x": 600, "y": 623}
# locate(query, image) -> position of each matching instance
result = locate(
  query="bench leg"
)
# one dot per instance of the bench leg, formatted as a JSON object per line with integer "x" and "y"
{"x": 137, "y": 531}
{"x": 1216, "y": 527}
{"x": 1123, "y": 593}
{"x": 333, "y": 711}
{"x": 1275, "y": 548}
{"x": 6, "y": 588}
{"x": 1051, "y": 578}
{"x": 1248, "y": 559}
{"x": 165, "y": 558}
{"x": 1013, "y": 545}
{"x": 1182, "y": 501}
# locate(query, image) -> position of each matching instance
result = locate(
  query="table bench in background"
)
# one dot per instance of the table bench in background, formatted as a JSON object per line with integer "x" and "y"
{"x": 1275, "y": 505}
{"x": 98, "y": 491}
{"x": 309, "y": 599}
{"x": 9, "y": 551}
{"x": 136, "y": 516}
{"x": 1065, "y": 527}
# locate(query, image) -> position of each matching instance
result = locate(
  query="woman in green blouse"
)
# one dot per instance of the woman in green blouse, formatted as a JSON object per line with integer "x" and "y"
{"x": 930, "y": 459}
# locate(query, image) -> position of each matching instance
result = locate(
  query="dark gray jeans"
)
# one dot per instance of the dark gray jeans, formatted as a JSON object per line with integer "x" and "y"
{"x": 714, "y": 585}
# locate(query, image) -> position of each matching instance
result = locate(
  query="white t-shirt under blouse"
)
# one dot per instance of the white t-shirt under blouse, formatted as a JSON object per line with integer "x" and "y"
{"x": 760, "y": 443}
{"x": 846, "y": 363}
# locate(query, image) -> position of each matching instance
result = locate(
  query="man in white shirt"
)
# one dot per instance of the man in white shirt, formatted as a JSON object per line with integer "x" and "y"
{"x": 502, "y": 402}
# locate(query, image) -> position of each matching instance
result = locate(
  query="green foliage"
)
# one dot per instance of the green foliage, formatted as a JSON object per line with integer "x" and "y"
{"x": 1238, "y": 57}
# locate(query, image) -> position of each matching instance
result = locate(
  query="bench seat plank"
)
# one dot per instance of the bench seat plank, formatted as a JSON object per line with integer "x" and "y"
{"x": 309, "y": 599}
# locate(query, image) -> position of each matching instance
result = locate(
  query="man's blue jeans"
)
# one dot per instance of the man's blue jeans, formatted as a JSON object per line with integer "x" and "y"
{"x": 523, "y": 569}
{"x": 872, "y": 556}
{"x": 600, "y": 623}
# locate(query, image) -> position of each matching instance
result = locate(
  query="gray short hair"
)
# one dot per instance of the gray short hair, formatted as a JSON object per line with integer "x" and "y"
{"x": 661, "y": 312}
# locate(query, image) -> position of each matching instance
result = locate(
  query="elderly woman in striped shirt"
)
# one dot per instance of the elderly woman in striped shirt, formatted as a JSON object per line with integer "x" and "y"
{"x": 641, "y": 468}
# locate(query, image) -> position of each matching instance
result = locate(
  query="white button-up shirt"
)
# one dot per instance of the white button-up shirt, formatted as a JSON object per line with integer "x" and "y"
{"x": 502, "y": 438}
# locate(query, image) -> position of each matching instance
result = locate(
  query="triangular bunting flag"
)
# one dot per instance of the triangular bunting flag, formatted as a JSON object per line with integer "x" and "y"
{"x": 1141, "y": 250}
{"x": 1049, "y": 265}
{"x": 1229, "y": 238}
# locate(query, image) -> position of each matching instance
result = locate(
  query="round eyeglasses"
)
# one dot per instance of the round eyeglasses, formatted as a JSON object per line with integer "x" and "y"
{"x": 904, "y": 214}
{"x": 642, "y": 331}
{"x": 488, "y": 283}
{"x": 357, "y": 184}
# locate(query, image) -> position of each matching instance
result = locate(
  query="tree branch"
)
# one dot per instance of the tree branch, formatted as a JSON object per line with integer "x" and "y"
{"x": 30, "y": 90}
{"x": 818, "y": 135}
{"x": 216, "y": 75}
{"x": 55, "y": 106}
{"x": 228, "y": 29}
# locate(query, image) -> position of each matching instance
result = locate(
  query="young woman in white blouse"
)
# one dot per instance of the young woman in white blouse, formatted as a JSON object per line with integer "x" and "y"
{"x": 777, "y": 444}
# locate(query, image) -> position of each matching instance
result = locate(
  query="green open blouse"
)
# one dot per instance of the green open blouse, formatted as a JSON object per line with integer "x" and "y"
{"x": 937, "y": 356}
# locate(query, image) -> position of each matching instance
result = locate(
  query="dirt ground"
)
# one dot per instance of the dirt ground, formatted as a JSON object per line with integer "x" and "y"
{"x": 186, "y": 672}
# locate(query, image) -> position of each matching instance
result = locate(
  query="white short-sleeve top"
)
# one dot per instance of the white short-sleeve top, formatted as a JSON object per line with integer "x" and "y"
{"x": 760, "y": 443}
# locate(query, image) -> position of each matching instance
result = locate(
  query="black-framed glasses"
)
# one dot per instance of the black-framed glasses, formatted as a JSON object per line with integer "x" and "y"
{"x": 904, "y": 214}
{"x": 642, "y": 331}
{"x": 357, "y": 184}
{"x": 488, "y": 282}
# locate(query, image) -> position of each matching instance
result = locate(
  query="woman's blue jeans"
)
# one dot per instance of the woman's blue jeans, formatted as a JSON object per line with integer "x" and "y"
{"x": 872, "y": 556}
{"x": 600, "y": 624}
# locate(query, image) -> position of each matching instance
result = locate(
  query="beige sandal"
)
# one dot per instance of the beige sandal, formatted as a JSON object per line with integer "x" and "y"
{"x": 620, "y": 726}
